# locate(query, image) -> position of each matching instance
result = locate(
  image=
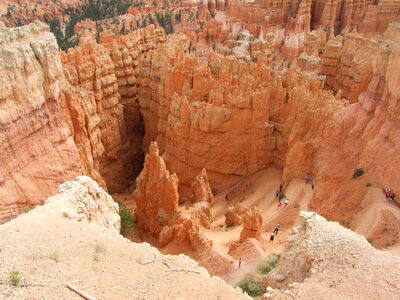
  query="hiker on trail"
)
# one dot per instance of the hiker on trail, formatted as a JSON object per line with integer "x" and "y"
{"x": 308, "y": 179}
{"x": 313, "y": 184}
{"x": 240, "y": 262}
{"x": 388, "y": 194}
{"x": 277, "y": 194}
{"x": 392, "y": 197}
{"x": 277, "y": 227}
{"x": 279, "y": 203}
{"x": 286, "y": 201}
{"x": 281, "y": 188}
{"x": 226, "y": 196}
{"x": 271, "y": 239}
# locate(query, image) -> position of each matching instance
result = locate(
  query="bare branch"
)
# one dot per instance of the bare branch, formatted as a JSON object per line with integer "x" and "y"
{"x": 183, "y": 270}
{"x": 80, "y": 293}
{"x": 150, "y": 261}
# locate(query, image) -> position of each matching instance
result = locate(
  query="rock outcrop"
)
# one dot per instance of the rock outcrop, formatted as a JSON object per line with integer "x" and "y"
{"x": 321, "y": 259}
{"x": 249, "y": 250}
{"x": 252, "y": 222}
{"x": 83, "y": 200}
{"x": 107, "y": 73}
{"x": 233, "y": 215}
{"x": 347, "y": 64}
{"x": 37, "y": 150}
{"x": 157, "y": 214}
{"x": 156, "y": 195}
{"x": 201, "y": 191}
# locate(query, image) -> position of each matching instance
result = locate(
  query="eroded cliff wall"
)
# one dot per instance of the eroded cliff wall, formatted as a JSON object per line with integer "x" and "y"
{"x": 229, "y": 116}
{"x": 106, "y": 73}
{"x": 37, "y": 150}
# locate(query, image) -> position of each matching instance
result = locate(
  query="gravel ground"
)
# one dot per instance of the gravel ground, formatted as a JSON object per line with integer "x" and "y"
{"x": 50, "y": 249}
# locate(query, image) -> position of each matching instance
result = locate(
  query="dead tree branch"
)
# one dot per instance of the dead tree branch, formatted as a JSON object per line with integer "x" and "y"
{"x": 80, "y": 293}
{"x": 150, "y": 261}
{"x": 183, "y": 270}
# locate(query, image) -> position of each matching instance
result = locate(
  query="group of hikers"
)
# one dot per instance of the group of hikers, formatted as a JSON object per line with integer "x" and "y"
{"x": 308, "y": 178}
{"x": 275, "y": 232}
{"x": 390, "y": 196}
{"x": 280, "y": 198}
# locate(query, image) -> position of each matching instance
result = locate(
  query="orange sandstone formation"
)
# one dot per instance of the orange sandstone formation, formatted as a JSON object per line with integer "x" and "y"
{"x": 37, "y": 151}
{"x": 107, "y": 73}
{"x": 201, "y": 190}
{"x": 156, "y": 194}
{"x": 233, "y": 215}
{"x": 252, "y": 221}
{"x": 249, "y": 250}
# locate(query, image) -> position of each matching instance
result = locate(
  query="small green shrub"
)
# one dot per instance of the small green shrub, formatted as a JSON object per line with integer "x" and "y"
{"x": 226, "y": 228}
{"x": 269, "y": 264}
{"x": 65, "y": 214}
{"x": 127, "y": 220}
{"x": 368, "y": 184}
{"x": 54, "y": 256}
{"x": 281, "y": 195}
{"x": 35, "y": 256}
{"x": 13, "y": 277}
{"x": 26, "y": 209}
{"x": 357, "y": 173}
{"x": 100, "y": 248}
{"x": 251, "y": 283}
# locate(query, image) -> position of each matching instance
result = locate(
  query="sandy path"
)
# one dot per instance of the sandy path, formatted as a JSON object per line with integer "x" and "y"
{"x": 376, "y": 218}
{"x": 258, "y": 190}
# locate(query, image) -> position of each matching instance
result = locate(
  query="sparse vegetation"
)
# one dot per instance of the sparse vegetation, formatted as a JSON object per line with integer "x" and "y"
{"x": 65, "y": 214}
{"x": 127, "y": 220}
{"x": 370, "y": 241}
{"x": 357, "y": 173}
{"x": 13, "y": 277}
{"x": 26, "y": 209}
{"x": 281, "y": 195}
{"x": 269, "y": 264}
{"x": 35, "y": 256}
{"x": 368, "y": 184}
{"x": 100, "y": 248}
{"x": 226, "y": 228}
{"x": 55, "y": 256}
{"x": 251, "y": 283}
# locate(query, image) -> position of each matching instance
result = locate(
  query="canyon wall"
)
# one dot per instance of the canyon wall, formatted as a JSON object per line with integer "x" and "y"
{"x": 363, "y": 135}
{"x": 69, "y": 116}
{"x": 37, "y": 150}
{"x": 228, "y": 116}
{"x": 234, "y": 117}
{"x": 106, "y": 74}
